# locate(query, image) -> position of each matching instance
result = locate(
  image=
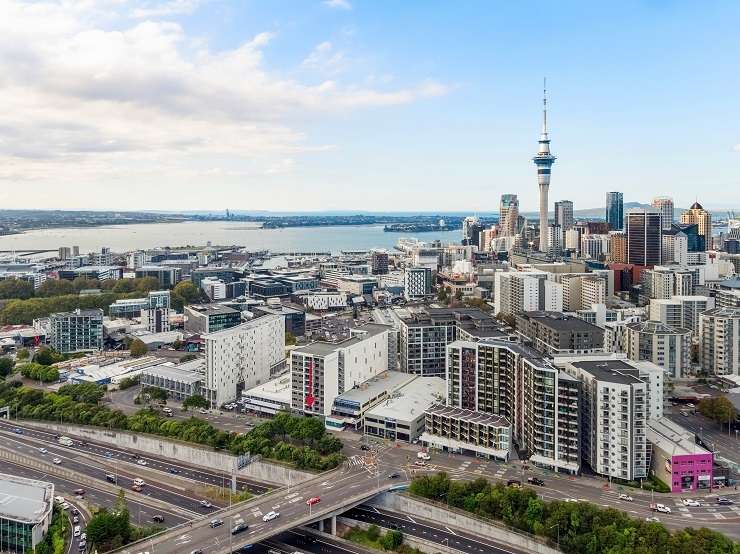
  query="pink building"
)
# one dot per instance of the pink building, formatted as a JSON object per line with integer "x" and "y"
{"x": 676, "y": 458}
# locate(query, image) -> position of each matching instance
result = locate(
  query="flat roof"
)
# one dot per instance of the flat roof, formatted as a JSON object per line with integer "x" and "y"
{"x": 468, "y": 415}
{"x": 411, "y": 400}
{"x": 559, "y": 321}
{"x": 26, "y": 500}
{"x": 257, "y": 322}
{"x": 613, "y": 371}
{"x": 372, "y": 388}
{"x": 321, "y": 348}
{"x": 276, "y": 390}
{"x": 174, "y": 373}
{"x": 211, "y": 309}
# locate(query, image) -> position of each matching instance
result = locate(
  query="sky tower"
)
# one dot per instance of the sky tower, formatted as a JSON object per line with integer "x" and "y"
{"x": 544, "y": 160}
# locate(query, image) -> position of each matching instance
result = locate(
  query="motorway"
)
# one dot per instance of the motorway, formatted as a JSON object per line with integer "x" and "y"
{"x": 429, "y": 530}
{"x": 121, "y": 459}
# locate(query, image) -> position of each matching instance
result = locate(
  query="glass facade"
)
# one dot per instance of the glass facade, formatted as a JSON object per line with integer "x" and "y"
{"x": 15, "y": 536}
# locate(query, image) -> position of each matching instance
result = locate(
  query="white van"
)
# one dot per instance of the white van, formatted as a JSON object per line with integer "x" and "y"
{"x": 77, "y": 531}
{"x": 139, "y": 482}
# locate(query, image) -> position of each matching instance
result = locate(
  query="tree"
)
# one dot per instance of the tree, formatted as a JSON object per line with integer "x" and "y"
{"x": 89, "y": 393}
{"x": 55, "y": 287}
{"x": 290, "y": 339}
{"x": 195, "y": 401}
{"x": 138, "y": 348}
{"x": 373, "y": 532}
{"x": 718, "y": 408}
{"x": 155, "y": 393}
{"x": 509, "y": 319}
{"x": 188, "y": 358}
{"x": 15, "y": 288}
{"x": 147, "y": 284}
{"x": 47, "y": 356}
{"x": 22, "y": 354}
{"x": 392, "y": 540}
{"x": 81, "y": 283}
{"x": 6, "y": 366}
{"x": 124, "y": 285}
{"x": 459, "y": 295}
{"x": 187, "y": 291}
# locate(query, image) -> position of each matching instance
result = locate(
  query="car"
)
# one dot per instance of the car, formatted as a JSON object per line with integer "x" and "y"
{"x": 662, "y": 508}
{"x": 65, "y": 505}
{"x": 57, "y": 461}
{"x": 625, "y": 497}
{"x": 83, "y": 537}
{"x": 136, "y": 488}
{"x": 569, "y": 500}
{"x": 239, "y": 528}
{"x": 724, "y": 501}
{"x": 205, "y": 504}
{"x": 420, "y": 463}
{"x": 423, "y": 456}
{"x": 394, "y": 475}
{"x": 75, "y": 519}
{"x": 174, "y": 470}
{"x": 197, "y": 551}
{"x": 43, "y": 450}
{"x": 110, "y": 477}
{"x": 269, "y": 516}
{"x": 535, "y": 481}
{"x": 313, "y": 500}
{"x": 689, "y": 405}
{"x": 79, "y": 492}
{"x": 75, "y": 511}
{"x": 108, "y": 454}
{"x": 158, "y": 519}
{"x": 59, "y": 499}
{"x": 139, "y": 482}
{"x": 364, "y": 447}
{"x": 18, "y": 431}
{"x": 76, "y": 531}
{"x": 141, "y": 462}
{"x": 652, "y": 519}
{"x": 82, "y": 545}
{"x": 216, "y": 523}
{"x": 516, "y": 483}
{"x": 203, "y": 411}
{"x": 690, "y": 502}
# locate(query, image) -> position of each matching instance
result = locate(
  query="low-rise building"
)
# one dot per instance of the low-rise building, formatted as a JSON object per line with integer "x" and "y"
{"x": 268, "y": 398}
{"x": 180, "y": 381}
{"x": 676, "y": 458}
{"x": 76, "y": 331}
{"x": 25, "y": 512}
{"x": 464, "y": 431}
{"x": 401, "y": 416}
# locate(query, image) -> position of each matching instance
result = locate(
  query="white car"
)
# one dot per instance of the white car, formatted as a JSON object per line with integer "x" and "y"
{"x": 43, "y": 450}
{"x": 269, "y": 516}
{"x": 690, "y": 502}
{"x": 205, "y": 504}
{"x": 141, "y": 462}
{"x": 65, "y": 505}
{"x": 57, "y": 461}
{"x": 203, "y": 411}
{"x": 569, "y": 500}
{"x": 652, "y": 519}
{"x": 625, "y": 497}
{"x": 662, "y": 508}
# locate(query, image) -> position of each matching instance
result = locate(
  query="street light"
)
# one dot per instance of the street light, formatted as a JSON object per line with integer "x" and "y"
{"x": 558, "y": 536}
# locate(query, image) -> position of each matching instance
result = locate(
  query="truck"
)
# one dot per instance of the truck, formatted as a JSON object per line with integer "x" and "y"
{"x": 65, "y": 441}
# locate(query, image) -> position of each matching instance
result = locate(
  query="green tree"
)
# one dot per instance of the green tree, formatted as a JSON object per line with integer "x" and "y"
{"x": 188, "y": 358}
{"x": 47, "y": 356}
{"x": 458, "y": 295}
{"x": 718, "y": 408}
{"x": 15, "y": 288}
{"x": 6, "y": 366}
{"x": 138, "y": 348}
{"x": 195, "y": 401}
{"x": 89, "y": 393}
{"x": 147, "y": 284}
{"x": 81, "y": 283}
{"x": 155, "y": 393}
{"x": 124, "y": 285}
{"x": 373, "y": 532}
{"x": 55, "y": 287}
{"x": 22, "y": 354}
{"x": 187, "y": 291}
{"x": 392, "y": 540}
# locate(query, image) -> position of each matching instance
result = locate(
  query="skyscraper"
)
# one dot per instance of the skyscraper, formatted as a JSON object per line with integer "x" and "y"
{"x": 564, "y": 214}
{"x": 615, "y": 210}
{"x": 544, "y": 160}
{"x": 644, "y": 237}
{"x": 508, "y": 215}
{"x": 664, "y": 204}
{"x": 697, "y": 215}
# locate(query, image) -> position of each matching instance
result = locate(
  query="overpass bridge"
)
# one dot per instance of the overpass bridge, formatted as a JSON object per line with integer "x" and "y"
{"x": 339, "y": 491}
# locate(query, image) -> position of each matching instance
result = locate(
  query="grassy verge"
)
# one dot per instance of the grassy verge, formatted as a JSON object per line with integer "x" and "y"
{"x": 372, "y": 537}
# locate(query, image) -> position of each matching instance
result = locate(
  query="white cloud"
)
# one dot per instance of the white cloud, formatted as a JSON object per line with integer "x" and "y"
{"x": 339, "y": 4}
{"x": 325, "y": 58}
{"x": 736, "y": 148}
{"x": 91, "y": 97}
{"x": 173, "y": 7}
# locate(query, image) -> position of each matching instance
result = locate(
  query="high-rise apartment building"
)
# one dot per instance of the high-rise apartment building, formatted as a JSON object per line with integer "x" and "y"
{"x": 615, "y": 210}
{"x": 557, "y": 333}
{"x": 508, "y": 215}
{"x": 656, "y": 342}
{"x": 618, "y": 397}
{"x": 322, "y": 371}
{"x": 76, "y": 331}
{"x": 564, "y": 214}
{"x": 498, "y": 378}
{"x": 243, "y": 357}
{"x": 554, "y": 239}
{"x": 618, "y": 247}
{"x": 516, "y": 291}
{"x": 156, "y": 312}
{"x": 594, "y": 246}
{"x": 644, "y": 237}
{"x": 664, "y": 204}
{"x": 417, "y": 282}
{"x": 719, "y": 337}
{"x": 680, "y": 311}
{"x": 675, "y": 246}
{"x": 379, "y": 262}
{"x": 697, "y": 215}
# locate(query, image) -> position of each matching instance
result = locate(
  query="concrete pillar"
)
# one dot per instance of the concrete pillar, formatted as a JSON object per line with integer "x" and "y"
{"x": 334, "y": 525}
{"x": 321, "y": 526}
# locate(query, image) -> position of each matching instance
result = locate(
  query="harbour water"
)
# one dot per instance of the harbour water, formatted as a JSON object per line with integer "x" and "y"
{"x": 122, "y": 238}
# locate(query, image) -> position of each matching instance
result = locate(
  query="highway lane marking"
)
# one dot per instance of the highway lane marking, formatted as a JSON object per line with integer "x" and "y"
{"x": 410, "y": 519}
{"x": 451, "y": 531}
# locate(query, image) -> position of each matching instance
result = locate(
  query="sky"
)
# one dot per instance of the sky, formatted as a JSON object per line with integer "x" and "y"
{"x": 364, "y": 104}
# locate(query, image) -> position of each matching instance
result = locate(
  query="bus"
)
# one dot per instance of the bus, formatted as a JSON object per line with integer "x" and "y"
{"x": 66, "y": 441}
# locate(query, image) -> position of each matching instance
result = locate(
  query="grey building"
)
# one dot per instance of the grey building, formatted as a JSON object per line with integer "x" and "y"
{"x": 557, "y": 333}
{"x": 180, "y": 382}
{"x": 209, "y": 318}
{"x": 615, "y": 210}
{"x": 168, "y": 277}
{"x": 295, "y": 320}
{"x": 77, "y": 331}
{"x": 25, "y": 513}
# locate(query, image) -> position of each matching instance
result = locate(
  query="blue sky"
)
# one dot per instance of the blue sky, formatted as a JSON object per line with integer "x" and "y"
{"x": 376, "y": 105}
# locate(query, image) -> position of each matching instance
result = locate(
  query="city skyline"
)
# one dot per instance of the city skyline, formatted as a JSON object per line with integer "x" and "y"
{"x": 188, "y": 105}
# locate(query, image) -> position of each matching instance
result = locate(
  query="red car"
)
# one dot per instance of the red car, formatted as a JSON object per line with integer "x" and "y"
{"x": 136, "y": 488}
{"x": 313, "y": 500}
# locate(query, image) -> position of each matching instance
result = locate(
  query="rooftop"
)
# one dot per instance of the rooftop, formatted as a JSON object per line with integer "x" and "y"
{"x": 257, "y": 322}
{"x": 26, "y": 500}
{"x": 671, "y": 438}
{"x": 411, "y": 400}
{"x": 723, "y": 312}
{"x": 468, "y": 415}
{"x": 277, "y": 390}
{"x": 211, "y": 309}
{"x": 321, "y": 348}
{"x": 612, "y": 371}
{"x": 559, "y": 321}
{"x": 657, "y": 328}
{"x": 372, "y": 388}
{"x": 174, "y": 373}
